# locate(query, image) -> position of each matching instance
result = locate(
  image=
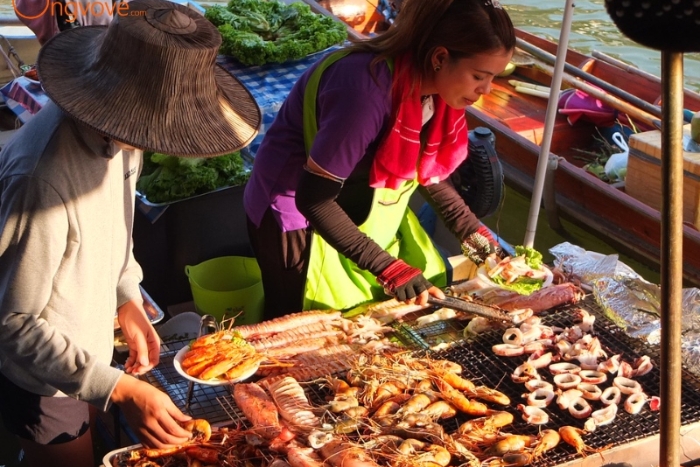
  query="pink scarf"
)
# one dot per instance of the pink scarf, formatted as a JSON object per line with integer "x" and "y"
{"x": 398, "y": 157}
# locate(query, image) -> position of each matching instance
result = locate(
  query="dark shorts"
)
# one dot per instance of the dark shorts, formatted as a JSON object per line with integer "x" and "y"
{"x": 42, "y": 419}
{"x": 283, "y": 258}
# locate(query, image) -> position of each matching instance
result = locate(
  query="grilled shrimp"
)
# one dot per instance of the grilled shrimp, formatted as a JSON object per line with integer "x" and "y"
{"x": 547, "y": 440}
{"x": 573, "y": 437}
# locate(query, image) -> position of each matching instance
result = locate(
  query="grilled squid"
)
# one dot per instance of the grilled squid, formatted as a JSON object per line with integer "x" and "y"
{"x": 508, "y": 350}
{"x": 635, "y": 402}
{"x": 540, "y": 397}
{"x": 580, "y": 408}
{"x": 601, "y": 417}
{"x": 627, "y": 385}
{"x": 592, "y": 376}
{"x": 611, "y": 396}
{"x": 567, "y": 381}
{"x": 590, "y": 391}
{"x": 567, "y": 397}
{"x": 533, "y": 415}
{"x": 564, "y": 367}
{"x": 524, "y": 372}
{"x": 534, "y": 384}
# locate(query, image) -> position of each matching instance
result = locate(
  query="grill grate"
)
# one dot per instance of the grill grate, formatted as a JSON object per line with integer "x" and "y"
{"x": 479, "y": 361}
{"x": 215, "y": 403}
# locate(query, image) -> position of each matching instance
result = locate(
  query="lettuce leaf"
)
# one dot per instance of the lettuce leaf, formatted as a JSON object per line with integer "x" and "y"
{"x": 533, "y": 258}
{"x": 167, "y": 178}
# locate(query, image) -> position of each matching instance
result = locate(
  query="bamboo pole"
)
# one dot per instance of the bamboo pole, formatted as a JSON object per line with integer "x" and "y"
{"x": 548, "y": 58}
{"x": 687, "y": 114}
{"x": 671, "y": 259}
{"x": 603, "y": 96}
{"x": 550, "y": 118}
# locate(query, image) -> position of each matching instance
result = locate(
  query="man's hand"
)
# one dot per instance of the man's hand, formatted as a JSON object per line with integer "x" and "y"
{"x": 141, "y": 338}
{"x": 150, "y": 413}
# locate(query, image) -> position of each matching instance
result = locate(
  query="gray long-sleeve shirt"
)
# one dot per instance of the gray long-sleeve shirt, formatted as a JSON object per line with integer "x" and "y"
{"x": 66, "y": 262}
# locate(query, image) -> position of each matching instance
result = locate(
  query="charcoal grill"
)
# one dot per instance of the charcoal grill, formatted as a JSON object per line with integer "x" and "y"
{"x": 215, "y": 403}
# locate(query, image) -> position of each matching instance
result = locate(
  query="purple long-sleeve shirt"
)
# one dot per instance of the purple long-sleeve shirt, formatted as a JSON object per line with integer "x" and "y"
{"x": 353, "y": 110}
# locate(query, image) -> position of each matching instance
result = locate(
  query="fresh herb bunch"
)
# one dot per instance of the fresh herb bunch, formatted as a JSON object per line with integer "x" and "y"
{"x": 167, "y": 178}
{"x": 256, "y": 32}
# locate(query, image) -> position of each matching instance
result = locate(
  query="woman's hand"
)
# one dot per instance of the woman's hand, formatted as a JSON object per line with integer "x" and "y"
{"x": 479, "y": 245}
{"x": 407, "y": 283}
{"x": 141, "y": 338}
{"x": 150, "y": 413}
{"x": 422, "y": 299}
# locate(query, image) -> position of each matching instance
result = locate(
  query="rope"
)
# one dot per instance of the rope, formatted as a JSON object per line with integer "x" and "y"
{"x": 14, "y": 69}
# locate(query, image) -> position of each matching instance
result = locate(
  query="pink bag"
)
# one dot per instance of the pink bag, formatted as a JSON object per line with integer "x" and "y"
{"x": 576, "y": 104}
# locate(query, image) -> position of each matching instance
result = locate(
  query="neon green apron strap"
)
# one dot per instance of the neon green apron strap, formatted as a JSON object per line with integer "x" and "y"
{"x": 310, "y": 93}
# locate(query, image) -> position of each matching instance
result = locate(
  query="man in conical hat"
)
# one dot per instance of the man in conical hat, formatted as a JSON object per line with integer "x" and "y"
{"x": 148, "y": 81}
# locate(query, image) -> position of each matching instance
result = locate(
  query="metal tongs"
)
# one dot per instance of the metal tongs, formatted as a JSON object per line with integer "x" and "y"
{"x": 478, "y": 309}
{"x": 207, "y": 325}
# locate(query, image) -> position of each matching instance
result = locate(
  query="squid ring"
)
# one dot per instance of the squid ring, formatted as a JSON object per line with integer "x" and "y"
{"x": 535, "y": 384}
{"x": 590, "y": 391}
{"x": 563, "y": 367}
{"x": 592, "y": 376}
{"x": 540, "y": 397}
{"x": 627, "y": 385}
{"x": 580, "y": 408}
{"x": 567, "y": 380}
{"x": 635, "y": 402}
{"x": 611, "y": 396}
{"x": 513, "y": 336}
{"x": 508, "y": 350}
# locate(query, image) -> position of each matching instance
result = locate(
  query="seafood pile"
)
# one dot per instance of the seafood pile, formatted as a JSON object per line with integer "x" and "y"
{"x": 387, "y": 410}
{"x": 221, "y": 355}
{"x": 312, "y": 344}
{"x": 220, "y": 446}
{"x": 305, "y": 345}
{"x": 568, "y": 369}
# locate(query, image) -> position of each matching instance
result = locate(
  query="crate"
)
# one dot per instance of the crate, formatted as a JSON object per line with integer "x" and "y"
{"x": 643, "y": 180}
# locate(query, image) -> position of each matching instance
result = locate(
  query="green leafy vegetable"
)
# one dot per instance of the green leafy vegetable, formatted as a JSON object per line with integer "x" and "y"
{"x": 523, "y": 285}
{"x": 167, "y": 178}
{"x": 262, "y": 31}
{"x": 533, "y": 258}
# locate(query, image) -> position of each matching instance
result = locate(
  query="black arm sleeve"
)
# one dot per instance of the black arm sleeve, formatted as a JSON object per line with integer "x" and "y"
{"x": 455, "y": 213}
{"x": 315, "y": 199}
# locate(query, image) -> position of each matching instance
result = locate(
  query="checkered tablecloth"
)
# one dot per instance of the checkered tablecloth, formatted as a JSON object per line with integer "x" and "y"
{"x": 269, "y": 84}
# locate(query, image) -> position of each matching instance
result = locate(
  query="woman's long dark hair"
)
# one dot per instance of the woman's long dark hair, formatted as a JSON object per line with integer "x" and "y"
{"x": 464, "y": 27}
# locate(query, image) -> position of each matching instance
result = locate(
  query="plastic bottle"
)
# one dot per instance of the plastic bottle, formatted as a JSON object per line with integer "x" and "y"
{"x": 695, "y": 127}
{"x": 616, "y": 167}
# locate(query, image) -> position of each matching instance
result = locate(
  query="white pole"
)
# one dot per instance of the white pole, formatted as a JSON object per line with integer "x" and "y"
{"x": 550, "y": 117}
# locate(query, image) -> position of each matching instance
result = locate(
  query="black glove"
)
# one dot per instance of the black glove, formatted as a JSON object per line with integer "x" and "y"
{"x": 403, "y": 281}
{"x": 479, "y": 245}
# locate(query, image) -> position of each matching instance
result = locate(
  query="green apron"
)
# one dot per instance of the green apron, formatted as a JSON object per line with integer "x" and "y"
{"x": 333, "y": 281}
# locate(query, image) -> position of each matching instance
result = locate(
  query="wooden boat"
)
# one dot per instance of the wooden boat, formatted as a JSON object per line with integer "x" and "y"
{"x": 517, "y": 120}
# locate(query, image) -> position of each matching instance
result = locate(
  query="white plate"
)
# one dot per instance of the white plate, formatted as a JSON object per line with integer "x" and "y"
{"x": 180, "y": 355}
{"x": 111, "y": 455}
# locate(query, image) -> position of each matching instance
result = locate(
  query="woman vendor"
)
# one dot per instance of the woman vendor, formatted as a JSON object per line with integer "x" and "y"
{"x": 327, "y": 201}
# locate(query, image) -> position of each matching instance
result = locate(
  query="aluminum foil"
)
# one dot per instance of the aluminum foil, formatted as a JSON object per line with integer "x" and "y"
{"x": 628, "y": 300}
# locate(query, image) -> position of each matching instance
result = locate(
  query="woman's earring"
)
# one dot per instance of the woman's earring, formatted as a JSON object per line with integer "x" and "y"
{"x": 437, "y": 68}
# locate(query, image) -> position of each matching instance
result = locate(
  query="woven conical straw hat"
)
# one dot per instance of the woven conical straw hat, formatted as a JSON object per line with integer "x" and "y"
{"x": 151, "y": 80}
